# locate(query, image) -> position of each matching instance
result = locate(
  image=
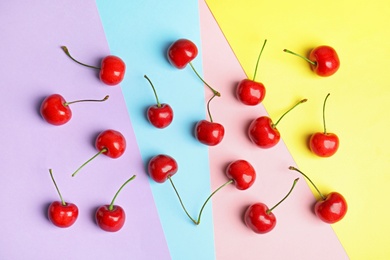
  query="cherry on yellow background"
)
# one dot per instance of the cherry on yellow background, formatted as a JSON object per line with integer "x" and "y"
{"x": 357, "y": 109}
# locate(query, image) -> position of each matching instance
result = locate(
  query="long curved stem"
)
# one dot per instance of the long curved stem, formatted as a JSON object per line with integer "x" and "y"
{"x": 300, "y": 102}
{"x": 212, "y": 89}
{"x": 93, "y": 157}
{"x": 258, "y": 59}
{"x": 323, "y": 112}
{"x": 312, "y": 183}
{"x": 285, "y": 197}
{"x": 87, "y": 100}
{"x": 111, "y": 207}
{"x": 65, "y": 49}
{"x": 208, "y": 108}
{"x": 300, "y": 56}
{"x": 58, "y": 190}
{"x": 154, "y": 90}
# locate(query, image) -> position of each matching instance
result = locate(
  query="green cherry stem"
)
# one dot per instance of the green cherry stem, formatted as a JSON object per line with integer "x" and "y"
{"x": 87, "y": 100}
{"x": 93, "y": 157}
{"x": 303, "y": 57}
{"x": 208, "y": 108}
{"x": 111, "y": 207}
{"x": 65, "y": 49}
{"x": 216, "y": 93}
{"x": 312, "y": 183}
{"x": 258, "y": 59}
{"x": 300, "y": 102}
{"x": 58, "y": 190}
{"x": 154, "y": 91}
{"x": 323, "y": 112}
{"x": 197, "y": 222}
{"x": 285, "y": 197}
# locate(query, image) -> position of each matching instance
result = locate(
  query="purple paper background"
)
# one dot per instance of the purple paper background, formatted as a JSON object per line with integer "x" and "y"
{"x": 32, "y": 67}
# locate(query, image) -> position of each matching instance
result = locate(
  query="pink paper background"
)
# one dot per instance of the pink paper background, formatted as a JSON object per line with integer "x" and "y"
{"x": 298, "y": 233}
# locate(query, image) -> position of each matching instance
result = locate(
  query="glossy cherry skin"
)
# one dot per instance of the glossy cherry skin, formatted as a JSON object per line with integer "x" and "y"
{"x": 160, "y": 116}
{"x": 110, "y": 220}
{"x": 258, "y": 219}
{"x": 326, "y": 60}
{"x": 209, "y": 133}
{"x": 250, "y": 92}
{"x": 62, "y": 216}
{"x": 262, "y": 132}
{"x": 324, "y": 144}
{"x": 332, "y": 209}
{"x": 161, "y": 167}
{"x": 242, "y": 173}
{"x": 54, "y": 111}
{"x": 113, "y": 141}
{"x": 112, "y": 70}
{"x": 182, "y": 52}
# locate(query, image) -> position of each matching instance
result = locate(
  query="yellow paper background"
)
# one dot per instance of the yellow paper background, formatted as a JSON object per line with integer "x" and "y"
{"x": 357, "y": 109}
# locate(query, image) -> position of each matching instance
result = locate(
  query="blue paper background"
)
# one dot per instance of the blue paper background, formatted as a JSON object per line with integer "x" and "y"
{"x": 141, "y": 32}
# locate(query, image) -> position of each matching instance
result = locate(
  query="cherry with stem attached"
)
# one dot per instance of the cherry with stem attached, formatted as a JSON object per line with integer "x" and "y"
{"x": 260, "y": 218}
{"x": 324, "y": 144}
{"x": 112, "y": 217}
{"x": 330, "y": 208}
{"x": 62, "y": 214}
{"x": 263, "y": 132}
{"x": 111, "y": 71}
{"x": 251, "y": 92}
{"x": 56, "y": 111}
{"x": 181, "y": 53}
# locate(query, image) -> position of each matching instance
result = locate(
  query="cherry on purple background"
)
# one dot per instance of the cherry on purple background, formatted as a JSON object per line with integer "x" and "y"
{"x": 112, "y": 217}
{"x": 111, "y": 71}
{"x": 56, "y": 111}
{"x": 110, "y": 143}
{"x": 62, "y": 214}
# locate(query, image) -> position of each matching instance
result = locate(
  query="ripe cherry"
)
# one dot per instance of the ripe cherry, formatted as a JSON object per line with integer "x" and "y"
{"x": 243, "y": 174}
{"x": 110, "y": 143}
{"x": 331, "y": 208}
{"x": 159, "y": 115}
{"x": 324, "y": 144}
{"x": 112, "y": 217}
{"x": 56, "y": 111}
{"x": 251, "y": 92}
{"x": 260, "y": 218}
{"x": 263, "y": 132}
{"x": 323, "y": 60}
{"x": 181, "y": 53}
{"x": 209, "y": 132}
{"x": 62, "y": 214}
{"x": 111, "y": 71}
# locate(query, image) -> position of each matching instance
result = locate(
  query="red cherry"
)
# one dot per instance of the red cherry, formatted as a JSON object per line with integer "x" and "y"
{"x": 181, "y": 53}
{"x": 324, "y": 144}
{"x": 161, "y": 167}
{"x": 261, "y": 219}
{"x": 159, "y": 115}
{"x": 331, "y": 208}
{"x": 263, "y": 132}
{"x": 112, "y": 217}
{"x": 111, "y": 71}
{"x": 323, "y": 60}
{"x": 56, "y": 111}
{"x": 251, "y": 92}
{"x": 109, "y": 142}
{"x": 62, "y": 214}
{"x": 242, "y": 173}
{"x": 209, "y": 133}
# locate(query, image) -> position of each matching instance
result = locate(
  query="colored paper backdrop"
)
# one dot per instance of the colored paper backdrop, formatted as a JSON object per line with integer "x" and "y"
{"x": 356, "y": 109}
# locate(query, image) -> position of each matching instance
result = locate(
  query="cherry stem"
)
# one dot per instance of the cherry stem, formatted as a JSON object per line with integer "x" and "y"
{"x": 87, "y": 100}
{"x": 216, "y": 93}
{"x": 197, "y": 222}
{"x": 323, "y": 112}
{"x": 111, "y": 207}
{"x": 154, "y": 90}
{"x": 300, "y": 102}
{"x": 285, "y": 197}
{"x": 93, "y": 157}
{"x": 58, "y": 190}
{"x": 258, "y": 59}
{"x": 303, "y": 57}
{"x": 65, "y": 49}
{"x": 312, "y": 183}
{"x": 208, "y": 108}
